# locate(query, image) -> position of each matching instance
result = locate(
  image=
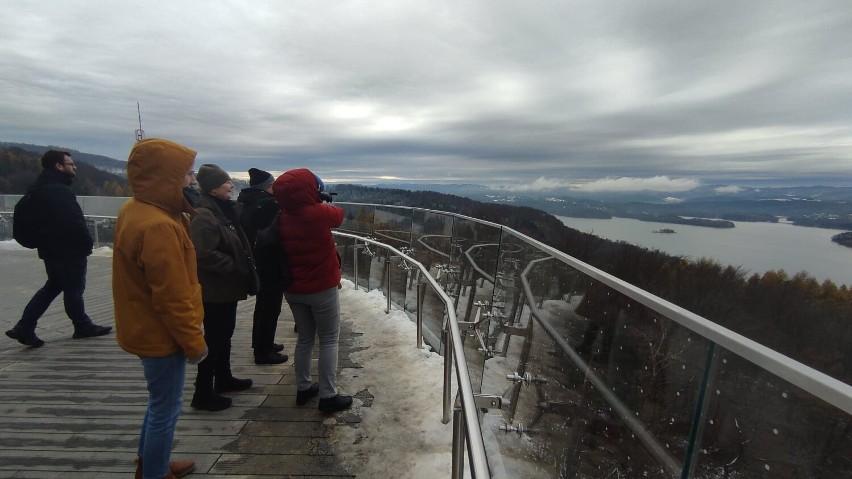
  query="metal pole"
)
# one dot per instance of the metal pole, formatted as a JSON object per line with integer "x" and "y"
{"x": 355, "y": 260}
{"x": 421, "y": 296}
{"x": 388, "y": 283}
{"x": 448, "y": 371}
{"x": 458, "y": 444}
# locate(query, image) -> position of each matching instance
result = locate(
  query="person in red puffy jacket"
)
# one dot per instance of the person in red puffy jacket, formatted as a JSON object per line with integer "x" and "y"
{"x": 305, "y": 224}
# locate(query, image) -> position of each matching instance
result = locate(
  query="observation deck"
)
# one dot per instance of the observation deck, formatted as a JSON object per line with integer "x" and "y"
{"x": 72, "y": 408}
{"x": 552, "y": 368}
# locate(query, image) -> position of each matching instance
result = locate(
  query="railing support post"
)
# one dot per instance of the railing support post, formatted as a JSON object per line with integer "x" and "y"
{"x": 448, "y": 374}
{"x": 701, "y": 405}
{"x": 458, "y": 443}
{"x": 388, "y": 269}
{"x": 421, "y": 296}
{"x": 355, "y": 249}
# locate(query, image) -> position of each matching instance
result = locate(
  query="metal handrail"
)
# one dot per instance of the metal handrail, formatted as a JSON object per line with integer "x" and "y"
{"x": 476, "y": 445}
{"x": 821, "y": 385}
{"x": 643, "y": 435}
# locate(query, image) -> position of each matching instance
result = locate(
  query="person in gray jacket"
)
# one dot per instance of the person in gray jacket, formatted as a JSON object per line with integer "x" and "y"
{"x": 226, "y": 274}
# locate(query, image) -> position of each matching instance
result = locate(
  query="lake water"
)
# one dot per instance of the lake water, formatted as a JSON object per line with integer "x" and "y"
{"x": 757, "y": 247}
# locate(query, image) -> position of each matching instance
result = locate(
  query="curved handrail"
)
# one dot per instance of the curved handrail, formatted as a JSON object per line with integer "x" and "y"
{"x": 646, "y": 438}
{"x": 476, "y": 445}
{"x": 821, "y": 385}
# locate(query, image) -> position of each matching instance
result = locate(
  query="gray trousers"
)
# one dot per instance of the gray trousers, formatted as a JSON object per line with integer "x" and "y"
{"x": 316, "y": 315}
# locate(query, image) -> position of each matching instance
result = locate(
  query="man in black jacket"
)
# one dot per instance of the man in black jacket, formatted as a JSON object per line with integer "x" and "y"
{"x": 259, "y": 210}
{"x": 64, "y": 245}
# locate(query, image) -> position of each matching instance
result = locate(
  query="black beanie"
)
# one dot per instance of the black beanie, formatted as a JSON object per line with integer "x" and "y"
{"x": 210, "y": 177}
{"x": 260, "y": 179}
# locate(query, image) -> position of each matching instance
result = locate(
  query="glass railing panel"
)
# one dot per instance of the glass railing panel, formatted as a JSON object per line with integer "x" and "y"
{"x": 508, "y": 293}
{"x": 102, "y": 230}
{"x": 5, "y": 226}
{"x": 756, "y": 424}
{"x": 392, "y": 226}
{"x": 431, "y": 234}
{"x": 434, "y": 320}
{"x": 101, "y": 205}
{"x": 346, "y": 250}
{"x": 605, "y": 387}
{"x": 374, "y": 263}
{"x": 357, "y": 219}
{"x": 431, "y": 239}
{"x": 401, "y": 286}
{"x": 475, "y": 248}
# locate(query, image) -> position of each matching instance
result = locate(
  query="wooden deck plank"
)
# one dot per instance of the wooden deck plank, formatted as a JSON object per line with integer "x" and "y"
{"x": 73, "y": 408}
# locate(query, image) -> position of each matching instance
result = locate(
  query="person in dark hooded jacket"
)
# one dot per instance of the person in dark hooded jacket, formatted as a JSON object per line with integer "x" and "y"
{"x": 64, "y": 247}
{"x": 259, "y": 210}
{"x": 305, "y": 224}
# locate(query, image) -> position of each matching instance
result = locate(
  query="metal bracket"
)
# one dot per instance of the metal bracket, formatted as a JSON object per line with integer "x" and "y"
{"x": 366, "y": 249}
{"x": 518, "y": 428}
{"x": 515, "y": 331}
{"x": 489, "y": 401}
{"x": 526, "y": 379}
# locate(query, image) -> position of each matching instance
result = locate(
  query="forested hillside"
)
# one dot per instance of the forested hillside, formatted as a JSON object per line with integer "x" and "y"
{"x": 796, "y": 315}
{"x": 19, "y": 169}
{"x": 101, "y": 162}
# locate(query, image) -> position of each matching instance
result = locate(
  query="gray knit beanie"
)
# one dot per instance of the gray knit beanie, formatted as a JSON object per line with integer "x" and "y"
{"x": 210, "y": 177}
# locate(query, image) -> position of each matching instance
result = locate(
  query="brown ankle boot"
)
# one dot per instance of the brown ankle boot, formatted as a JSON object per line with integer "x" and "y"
{"x": 177, "y": 468}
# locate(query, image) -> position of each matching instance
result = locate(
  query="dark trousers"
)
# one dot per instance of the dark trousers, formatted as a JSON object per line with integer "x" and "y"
{"x": 67, "y": 276}
{"x": 220, "y": 319}
{"x": 267, "y": 308}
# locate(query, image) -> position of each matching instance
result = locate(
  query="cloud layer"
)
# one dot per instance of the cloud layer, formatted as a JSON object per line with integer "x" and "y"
{"x": 652, "y": 94}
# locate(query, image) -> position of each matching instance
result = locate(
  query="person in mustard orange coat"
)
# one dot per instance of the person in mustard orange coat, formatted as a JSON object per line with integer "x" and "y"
{"x": 157, "y": 296}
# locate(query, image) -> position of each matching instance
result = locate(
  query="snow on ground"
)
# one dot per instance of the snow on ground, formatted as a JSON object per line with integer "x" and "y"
{"x": 401, "y": 430}
{"x": 11, "y": 245}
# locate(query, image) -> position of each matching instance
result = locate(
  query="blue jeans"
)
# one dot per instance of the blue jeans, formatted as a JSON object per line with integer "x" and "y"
{"x": 317, "y": 315}
{"x": 165, "y": 376}
{"x": 67, "y": 276}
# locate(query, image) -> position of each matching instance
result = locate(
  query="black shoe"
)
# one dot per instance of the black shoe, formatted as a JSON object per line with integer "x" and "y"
{"x": 208, "y": 402}
{"x": 232, "y": 385}
{"x": 92, "y": 332}
{"x": 302, "y": 397}
{"x": 271, "y": 358}
{"x": 32, "y": 340}
{"x": 277, "y": 347}
{"x": 334, "y": 403}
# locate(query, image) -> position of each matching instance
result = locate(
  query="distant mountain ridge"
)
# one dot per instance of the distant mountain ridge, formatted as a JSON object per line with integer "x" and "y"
{"x": 818, "y": 206}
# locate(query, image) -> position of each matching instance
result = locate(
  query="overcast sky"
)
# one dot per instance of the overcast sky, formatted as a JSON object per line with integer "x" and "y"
{"x": 599, "y": 94}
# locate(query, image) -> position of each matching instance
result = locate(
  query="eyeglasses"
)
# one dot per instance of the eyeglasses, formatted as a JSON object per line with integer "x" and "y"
{"x": 190, "y": 173}
{"x": 70, "y": 164}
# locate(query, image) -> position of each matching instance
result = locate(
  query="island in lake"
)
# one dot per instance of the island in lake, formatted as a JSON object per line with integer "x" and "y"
{"x": 674, "y": 219}
{"x": 844, "y": 239}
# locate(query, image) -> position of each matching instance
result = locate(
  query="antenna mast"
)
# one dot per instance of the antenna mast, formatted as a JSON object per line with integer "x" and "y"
{"x": 140, "y": 133}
